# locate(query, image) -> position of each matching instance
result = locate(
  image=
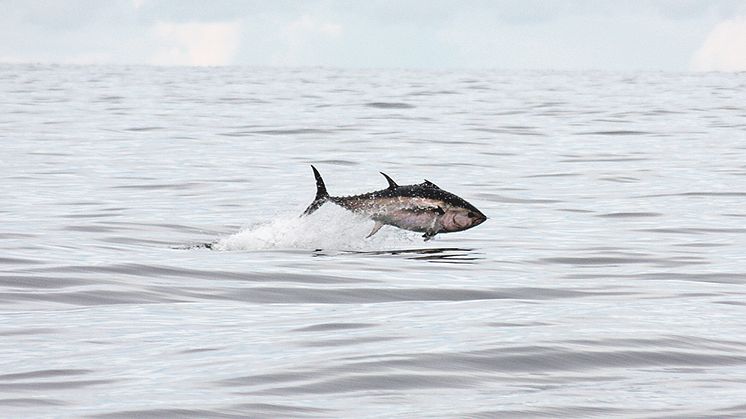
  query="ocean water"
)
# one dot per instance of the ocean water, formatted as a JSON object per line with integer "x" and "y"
{"x": 609, "y": 281}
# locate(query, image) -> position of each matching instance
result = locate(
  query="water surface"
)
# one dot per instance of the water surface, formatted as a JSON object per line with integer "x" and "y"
{"x": 608, "y": 281}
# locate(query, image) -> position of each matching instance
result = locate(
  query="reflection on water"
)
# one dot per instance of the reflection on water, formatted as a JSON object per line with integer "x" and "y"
{"x": 153, "y": 263}
{"x": 432, "y": 254}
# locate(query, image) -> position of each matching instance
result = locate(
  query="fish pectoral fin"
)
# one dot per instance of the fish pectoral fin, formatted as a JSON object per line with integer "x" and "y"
{"x": 428, "y": 236}
{"x": 375, "y": 229}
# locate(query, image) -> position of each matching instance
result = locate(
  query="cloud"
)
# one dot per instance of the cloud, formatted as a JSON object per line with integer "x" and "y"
{"x": 573, "y": 34}
{"x": 309, "y": 25}
{"x": 724, "y": 48}
{"x": 196, "y": 43}
{"x": 591, "y": 40}
{"x": 304, "y": 38}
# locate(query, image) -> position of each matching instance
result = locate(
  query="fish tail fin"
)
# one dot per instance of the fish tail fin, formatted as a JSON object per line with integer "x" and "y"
{"x": 321, "y": 194}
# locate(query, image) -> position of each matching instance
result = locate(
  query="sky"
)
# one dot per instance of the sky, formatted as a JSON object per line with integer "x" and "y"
{"x": 668, "y": 35}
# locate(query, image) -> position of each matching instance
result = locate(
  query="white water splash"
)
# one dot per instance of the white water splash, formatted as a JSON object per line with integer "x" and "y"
{"x": 329, "y": 228}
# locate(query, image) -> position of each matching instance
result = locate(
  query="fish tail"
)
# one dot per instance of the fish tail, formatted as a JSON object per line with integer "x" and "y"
{"x": 321, "y": 194}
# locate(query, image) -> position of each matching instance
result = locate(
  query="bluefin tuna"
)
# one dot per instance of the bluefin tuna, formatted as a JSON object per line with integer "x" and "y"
{"x": 424, "y": 207}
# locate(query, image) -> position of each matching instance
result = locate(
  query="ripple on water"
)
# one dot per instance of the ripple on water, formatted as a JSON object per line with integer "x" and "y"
{"x": 611, "y": 266}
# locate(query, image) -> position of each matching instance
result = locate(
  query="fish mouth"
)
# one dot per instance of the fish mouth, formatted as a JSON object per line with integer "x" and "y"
{"x": 480, "y": 219}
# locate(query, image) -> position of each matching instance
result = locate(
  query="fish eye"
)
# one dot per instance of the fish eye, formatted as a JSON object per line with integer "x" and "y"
{"x": 470, "y": 214}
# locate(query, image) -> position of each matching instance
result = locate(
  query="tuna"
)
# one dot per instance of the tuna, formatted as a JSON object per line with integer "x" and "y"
{"x": 423, "y": 208}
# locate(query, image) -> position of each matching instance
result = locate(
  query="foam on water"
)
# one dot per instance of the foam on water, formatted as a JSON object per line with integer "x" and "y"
{"x": 329, "y": 228}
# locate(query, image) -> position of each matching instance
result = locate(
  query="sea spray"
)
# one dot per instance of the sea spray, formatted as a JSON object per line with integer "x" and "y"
{"x": 331, "y": 228}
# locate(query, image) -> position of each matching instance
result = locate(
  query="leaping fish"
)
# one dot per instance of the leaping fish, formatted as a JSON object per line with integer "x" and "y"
{"x": 424, "y": 207}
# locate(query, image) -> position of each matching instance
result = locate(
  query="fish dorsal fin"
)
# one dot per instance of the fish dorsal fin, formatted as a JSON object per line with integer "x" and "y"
{"x": 392, "y": 184}
{"x": 429, "y": 184}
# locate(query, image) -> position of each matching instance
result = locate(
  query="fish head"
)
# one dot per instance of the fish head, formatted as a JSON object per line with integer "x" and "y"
{"x": 455, "y": 213}
{"x": 461, "y": 215}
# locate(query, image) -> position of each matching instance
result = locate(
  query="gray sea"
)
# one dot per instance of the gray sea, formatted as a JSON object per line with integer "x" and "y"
{"x": 609, "y": 281}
